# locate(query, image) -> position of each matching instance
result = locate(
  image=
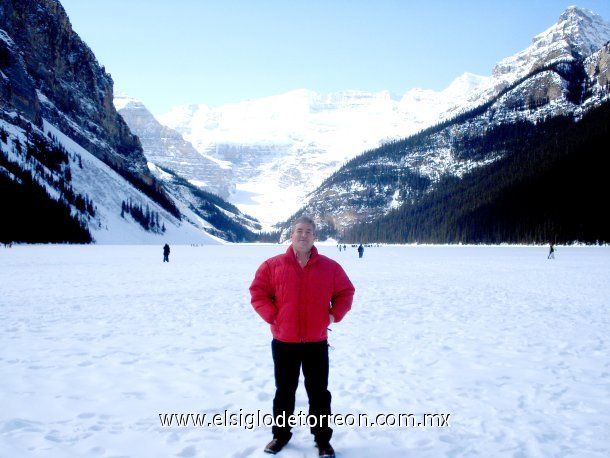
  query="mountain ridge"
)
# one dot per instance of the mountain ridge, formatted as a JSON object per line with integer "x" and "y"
{"x": 374, "y": 184}
{"x": 306, "y": 157}
{"x": 304, "y": 136}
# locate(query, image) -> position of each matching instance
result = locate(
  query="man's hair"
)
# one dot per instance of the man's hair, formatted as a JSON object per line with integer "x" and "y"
{"x": 303, "y": 219}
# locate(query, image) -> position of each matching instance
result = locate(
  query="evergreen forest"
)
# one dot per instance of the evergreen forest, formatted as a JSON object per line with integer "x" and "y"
{"x": 549, "y": 186}
{"x": 29, "y": 213}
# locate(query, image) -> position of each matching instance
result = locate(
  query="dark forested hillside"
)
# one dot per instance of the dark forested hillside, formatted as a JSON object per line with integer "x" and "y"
{"x": 29, "y": 213}
{"x": 39, "y": 203}
{"x": 551, "y": 185}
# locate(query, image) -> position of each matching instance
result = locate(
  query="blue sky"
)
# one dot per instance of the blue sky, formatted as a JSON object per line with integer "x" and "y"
{"x": 175, "y": 52}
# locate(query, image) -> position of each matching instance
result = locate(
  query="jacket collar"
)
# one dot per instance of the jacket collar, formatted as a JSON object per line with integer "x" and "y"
{"x": 314, "y": 254}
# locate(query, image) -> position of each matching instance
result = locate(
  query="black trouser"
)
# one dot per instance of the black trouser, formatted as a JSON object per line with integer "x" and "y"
{"x": 288, "y": 358}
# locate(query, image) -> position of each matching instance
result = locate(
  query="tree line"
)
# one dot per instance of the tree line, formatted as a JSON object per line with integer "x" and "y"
{"x": 147, "y": 218}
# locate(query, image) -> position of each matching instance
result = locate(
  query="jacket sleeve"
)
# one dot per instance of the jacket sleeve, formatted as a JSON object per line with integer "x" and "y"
{"x": 342, "y": 296}
{"x": 262, "y": 294}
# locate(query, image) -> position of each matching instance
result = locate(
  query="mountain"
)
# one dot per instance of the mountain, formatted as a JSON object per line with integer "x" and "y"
{"x": 166, "y": 148}
{"x": 196, "y": 183}
{"x": 61, "y": 81}
{"x": 282, "y": 147}
{"x": 70, "y": 168}
{"x": 54, "y": 190}
{"x": 577, "y": 34}
{"x": 558, "y": 78}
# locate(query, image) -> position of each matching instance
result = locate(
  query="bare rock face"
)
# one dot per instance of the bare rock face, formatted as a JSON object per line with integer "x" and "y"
{"x": 598, "y": 69}
{"x": 17, "y": 88}
{"x": 55, "y": 76}
{"x": 166, "y": 148}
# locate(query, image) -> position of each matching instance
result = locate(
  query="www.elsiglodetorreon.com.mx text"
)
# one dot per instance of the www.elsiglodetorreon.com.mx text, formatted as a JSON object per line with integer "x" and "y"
{"x": 250, "y": 421}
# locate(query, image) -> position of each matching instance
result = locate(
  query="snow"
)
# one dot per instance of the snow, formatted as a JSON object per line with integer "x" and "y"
{"x": 97, "y": 341}
{"x": 121, "y": 99}
{"x": 108, "y": 190}
{"x": 577, "y": 31}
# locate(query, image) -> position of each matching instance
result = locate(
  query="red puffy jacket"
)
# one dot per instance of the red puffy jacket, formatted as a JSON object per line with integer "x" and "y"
{"x": 296, "y": 301}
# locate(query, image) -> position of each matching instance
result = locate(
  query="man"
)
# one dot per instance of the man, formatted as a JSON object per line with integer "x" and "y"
{"x": 300, "y": 293}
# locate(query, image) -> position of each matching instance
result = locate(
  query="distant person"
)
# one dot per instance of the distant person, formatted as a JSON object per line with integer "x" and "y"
{"x": 551, "y": 252}
{"x": 360, "y": 250}
{"x": 300, "y": 293}
{"x": 166, "y": 253}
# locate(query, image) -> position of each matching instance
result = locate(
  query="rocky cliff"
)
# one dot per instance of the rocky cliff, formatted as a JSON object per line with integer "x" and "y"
{"x": 50, "y": 73}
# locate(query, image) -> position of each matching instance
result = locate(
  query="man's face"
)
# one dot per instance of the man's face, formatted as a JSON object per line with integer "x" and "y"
{"x": 303, "y": 237}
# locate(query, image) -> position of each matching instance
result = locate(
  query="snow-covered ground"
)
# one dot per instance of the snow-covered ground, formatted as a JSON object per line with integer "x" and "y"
{"x": 97, "y": 341}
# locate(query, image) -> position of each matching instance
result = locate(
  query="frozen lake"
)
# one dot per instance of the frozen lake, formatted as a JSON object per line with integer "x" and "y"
{"x": 97, "y": 341}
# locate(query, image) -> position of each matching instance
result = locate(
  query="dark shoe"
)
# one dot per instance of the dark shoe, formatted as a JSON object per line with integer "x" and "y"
{"x": 326, "y": 451}
{"x": 275, "y": 446}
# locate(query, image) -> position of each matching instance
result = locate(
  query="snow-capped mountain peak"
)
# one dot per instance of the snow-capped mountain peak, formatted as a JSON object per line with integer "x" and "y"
{"x": 585, "y": 30}
{"x": 577, "y": 33}
{"x": 121, "y": 100}
{"x": 464, "y": 86}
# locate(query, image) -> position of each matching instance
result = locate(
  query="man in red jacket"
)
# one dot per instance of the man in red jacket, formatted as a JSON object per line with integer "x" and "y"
{"x": 300, "y": 293}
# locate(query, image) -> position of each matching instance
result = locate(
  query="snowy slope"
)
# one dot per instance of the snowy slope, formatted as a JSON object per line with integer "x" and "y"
{"x": 108, "y": 190}
{"x": 371, "y": 185}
